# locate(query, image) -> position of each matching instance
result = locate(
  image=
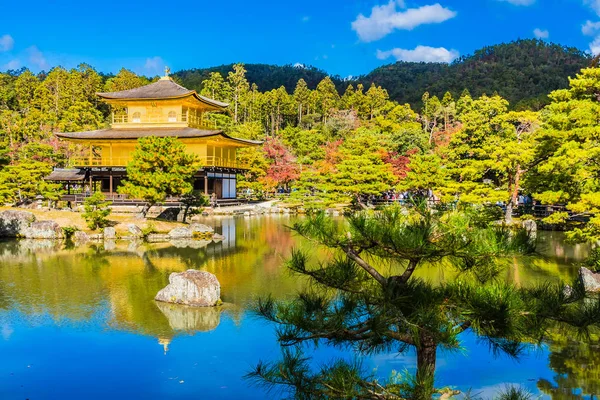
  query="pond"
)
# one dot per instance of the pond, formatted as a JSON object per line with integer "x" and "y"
{"x": 81, "y": 322}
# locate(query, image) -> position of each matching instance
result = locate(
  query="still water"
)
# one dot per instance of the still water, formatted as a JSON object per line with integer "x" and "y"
{"x": 81, "y": 322}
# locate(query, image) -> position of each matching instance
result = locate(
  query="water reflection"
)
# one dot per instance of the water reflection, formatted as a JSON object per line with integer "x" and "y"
{"x": 114, "y": 284}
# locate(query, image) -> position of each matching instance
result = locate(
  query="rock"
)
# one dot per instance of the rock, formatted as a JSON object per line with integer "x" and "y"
{"x": 157, "y": 238}
{"x": 13, "y": 222}
{"x": 81, "y": 237}
{"x": 189, "y": 243}
{"x": 95, "y": 236}
{"x": 591, "y": 280}
{"x": 135, "y": 230}
{"x": 530, "y": 227}
{"x": 217, "y": 237}
{"x": 201, "y": 228}
{"x": 110, "y": 245}
{"x": 246, "y": 213}
{"x": 110, "y": 233}
{"x": 180, "y": 233}
{"x": 192, "y": 288}
{"x": 44, "y": 230}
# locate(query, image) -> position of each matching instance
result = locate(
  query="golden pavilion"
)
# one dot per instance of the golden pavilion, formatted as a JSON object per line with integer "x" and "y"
{"x": 162, "y": 108}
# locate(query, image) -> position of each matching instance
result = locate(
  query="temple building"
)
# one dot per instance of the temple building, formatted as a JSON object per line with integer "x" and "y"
{"x": 163, "y": 109}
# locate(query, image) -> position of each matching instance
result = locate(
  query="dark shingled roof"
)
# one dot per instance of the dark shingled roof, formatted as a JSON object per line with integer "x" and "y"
{"x": 124, "y": 134}
{"x": 165, "y": 88}
{"x": 66, "y": 175}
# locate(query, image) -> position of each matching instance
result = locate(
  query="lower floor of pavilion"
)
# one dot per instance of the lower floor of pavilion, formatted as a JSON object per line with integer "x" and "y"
{"x": 222, "y": 183}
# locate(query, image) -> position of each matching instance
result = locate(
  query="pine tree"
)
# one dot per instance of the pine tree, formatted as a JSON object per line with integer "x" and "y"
{"x": 368, "y": 297}
{"x": 160, "y": 167}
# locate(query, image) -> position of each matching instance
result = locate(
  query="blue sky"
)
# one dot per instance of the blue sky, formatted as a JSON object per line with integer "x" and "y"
{"x": 344, "y": 37}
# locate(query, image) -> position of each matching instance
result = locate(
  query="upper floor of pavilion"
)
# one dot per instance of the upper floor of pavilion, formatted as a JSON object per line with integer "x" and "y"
{"x": 162, "y": 104}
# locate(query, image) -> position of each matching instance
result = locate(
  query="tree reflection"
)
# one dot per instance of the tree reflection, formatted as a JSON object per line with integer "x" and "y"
{"x": 577, "y": 368}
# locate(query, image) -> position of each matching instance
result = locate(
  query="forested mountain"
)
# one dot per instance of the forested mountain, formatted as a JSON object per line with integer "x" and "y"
{"x": 266, "y": 77}
{"x": 523, "y": 72}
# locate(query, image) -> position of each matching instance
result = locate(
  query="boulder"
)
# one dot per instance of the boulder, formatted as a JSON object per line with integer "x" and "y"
{"x": 135, "y": 230}
{"x": 201, "y": 228}
{"x": 14, "y": 222}
{"x": 591, "y": 280}
{"x": 44, "y": 230}
{"x": 530, "y": 227}
{"x": 192, "y": 288}
{"x": 109, "y": 233}
{"x": 80, "y": 236}
{"x": 217, "y": 237}
{"x": 180, "y": 233}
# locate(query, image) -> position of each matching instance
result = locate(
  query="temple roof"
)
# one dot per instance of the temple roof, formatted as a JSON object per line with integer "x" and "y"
{"x": 134, "y": 134}
{"x": 60, "y": 174}
{"x": 162, "y": 89}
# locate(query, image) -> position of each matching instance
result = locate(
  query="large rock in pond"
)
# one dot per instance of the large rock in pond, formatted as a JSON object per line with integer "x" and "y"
{"x": 180, "y": 233}
{"x": 192, "y": 288}
{"x": 530, "y": 227}
{"x": 109, "y": 233}
{"x": 591, "y": 280}
{"x": 80, "y": 237}
{"x": 44, "y": 230}
{"x": 201, "y": 229}
{"x": 135, "y": 230}
{"x": 13, "y": 222}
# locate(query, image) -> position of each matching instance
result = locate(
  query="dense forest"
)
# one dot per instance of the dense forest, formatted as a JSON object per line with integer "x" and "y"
{"x": 332, "y": 148}
{"x": 523, "y": 72}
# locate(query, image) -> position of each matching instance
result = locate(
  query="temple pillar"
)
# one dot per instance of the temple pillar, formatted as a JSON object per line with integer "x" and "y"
{"x": 110, "y": 181}
{"x": 206, "y": 184}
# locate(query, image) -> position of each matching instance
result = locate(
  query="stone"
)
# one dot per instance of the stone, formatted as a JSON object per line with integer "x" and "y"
{"x": 191, "y": 288}
{"x": 44, "y": 230}
{"x": 591, "y": 280}
{"x": 157, "y": 238}
{"x": 110, "y": 233}
{"x": 530, "y": 227}
{"x": 110, "y": 245}
{"x": 217, "y": 237}
{"x": 135, "y": 230}
{"x": 201, "y": 228}
{"x": 246, "y": 213}
{"x": 180, "y": 233}
{"x": 81, "y": 237}
{"x": 14, "y": 222}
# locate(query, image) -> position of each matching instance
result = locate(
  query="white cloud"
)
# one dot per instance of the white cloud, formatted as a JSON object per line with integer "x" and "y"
{"x": 299, "y": 65}
{"x": 420, "y": 53}
{"x": 6, "y": 43}
{"x": 519, "y": 2}
{"x": 384, "y": 19}
{"x": 541, "y": 34}
{"x": 36, "y": 57}
{"x": 154, "y": 66}
{"x": 12, "y": 64}
{"x": 590, "y": 28}
{"x": 595, "y": 46}
{"x": 594, "y": 5}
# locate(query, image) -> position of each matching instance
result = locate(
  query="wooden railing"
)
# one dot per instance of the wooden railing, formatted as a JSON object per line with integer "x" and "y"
{"x": 200, "y": 122}
{"x": 206, "y": 161}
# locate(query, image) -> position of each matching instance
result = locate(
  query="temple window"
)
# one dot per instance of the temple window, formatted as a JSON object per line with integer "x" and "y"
{"x": 172, "y": 116}
{"x": 136, "y": 117}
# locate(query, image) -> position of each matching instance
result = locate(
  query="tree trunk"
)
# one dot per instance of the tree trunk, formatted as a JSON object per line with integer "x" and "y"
{"x": 426, "y": 358}
{"x": 513, "y": 196}
{"x": 145, "y": 210}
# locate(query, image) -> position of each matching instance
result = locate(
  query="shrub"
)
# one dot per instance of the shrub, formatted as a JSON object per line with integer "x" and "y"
{"x": 69, "y": 231}
{"x": 96, "y": 210}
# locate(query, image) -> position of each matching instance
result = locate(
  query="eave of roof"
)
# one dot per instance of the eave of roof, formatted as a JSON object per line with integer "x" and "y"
{"x": 66, "y": 175}
{"x": 163, "y": 89}
{"x": 134, "y": 134}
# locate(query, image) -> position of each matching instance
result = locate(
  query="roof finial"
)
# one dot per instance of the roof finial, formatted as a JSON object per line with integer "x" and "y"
{"x": 167, "y": 71}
